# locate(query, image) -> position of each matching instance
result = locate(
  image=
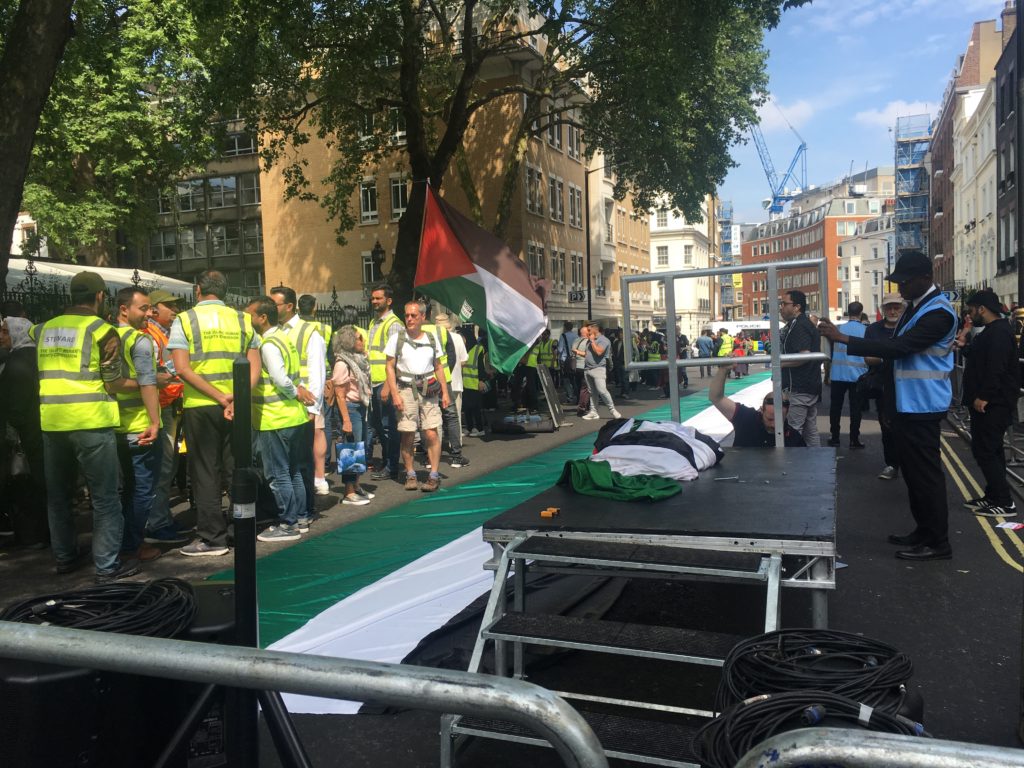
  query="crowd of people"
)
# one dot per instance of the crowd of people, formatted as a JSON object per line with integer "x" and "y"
{"x": 81, "y": 394}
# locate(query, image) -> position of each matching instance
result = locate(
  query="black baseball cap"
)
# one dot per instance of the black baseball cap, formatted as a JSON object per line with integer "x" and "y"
{"x": 911, "y": 264}
{"x": 986, "y": 298}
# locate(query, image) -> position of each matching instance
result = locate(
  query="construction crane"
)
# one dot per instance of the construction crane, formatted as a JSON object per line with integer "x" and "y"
{"x": 781, "y": 194}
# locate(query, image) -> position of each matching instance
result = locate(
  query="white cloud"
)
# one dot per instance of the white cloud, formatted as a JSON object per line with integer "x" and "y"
{"x": 886, "y": 116}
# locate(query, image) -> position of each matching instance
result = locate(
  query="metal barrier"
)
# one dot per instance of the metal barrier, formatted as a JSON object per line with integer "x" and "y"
{"x": 417, "y": 687}
{"x": 868, "y": 749}
{"x": 673, "y": 363}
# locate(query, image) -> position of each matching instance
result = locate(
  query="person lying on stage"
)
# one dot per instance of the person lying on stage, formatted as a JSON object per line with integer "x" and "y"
{"x": 754, "y": 428}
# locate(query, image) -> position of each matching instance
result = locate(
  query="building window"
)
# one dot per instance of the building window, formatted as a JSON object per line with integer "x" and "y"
{"x": 661, "y": 218}
{"x": 224, "y": 238}
{"x": 249, "y": 189}
{"x": 161, "y": 246}
{"x": 368, "y": 202}
{"x": 192, "y": 242}
{"x": 554, "y": 133}
{"x": 535, "y": 259}
{"x": 397, "y": 126}
{"x": 609, "y": 221}
{"x": 573, "y": 149}
{"x": 252, "y": 236}
{"x": 399, "y": 198}
{"x": 687, "y": 255}
{"x": 534, "y": 190}
{"x": 851, "y": 207}
{"x": 561, "y": 270}
{"x": 556, "y": 202}
{"x": 575, "y": 206}
{"x": 164, "y": 204}
{"x": 662, "y": 255}
{"x": 190, "y": 195}
{"x": 236, "y": 144}
{"x": 370, "y": 276}
{"x": 223, "y": 192}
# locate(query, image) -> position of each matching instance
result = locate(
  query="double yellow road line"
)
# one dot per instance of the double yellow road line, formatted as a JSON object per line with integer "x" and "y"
{"x": 969, "y": 488}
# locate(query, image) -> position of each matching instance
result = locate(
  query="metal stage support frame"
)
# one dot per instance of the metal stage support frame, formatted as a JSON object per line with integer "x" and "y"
{"x": 673, "y": 363}
{"x": 439, "y": 690}
{"x": 854, "y": 748}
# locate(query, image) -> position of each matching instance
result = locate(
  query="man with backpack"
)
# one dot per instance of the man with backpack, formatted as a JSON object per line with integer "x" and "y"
{"x": 415, "y": 378}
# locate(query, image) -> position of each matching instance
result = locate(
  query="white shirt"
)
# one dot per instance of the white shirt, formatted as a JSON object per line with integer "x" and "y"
{"x": 461, "y": 356}
{"x": 417, "y": 356}
{"x": 316, "y": 353}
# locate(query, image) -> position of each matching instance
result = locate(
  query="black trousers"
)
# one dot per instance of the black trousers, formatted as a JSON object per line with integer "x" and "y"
{"x": 839, "y": 390}
{"x": 987, "y": 430}
{"x": 917, "y": 449}
{"x": 210, "y": 463}
{"x": 306, "y": 466}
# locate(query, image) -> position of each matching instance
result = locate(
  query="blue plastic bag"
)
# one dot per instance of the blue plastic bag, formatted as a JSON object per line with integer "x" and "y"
{"x": 351, "y": 458}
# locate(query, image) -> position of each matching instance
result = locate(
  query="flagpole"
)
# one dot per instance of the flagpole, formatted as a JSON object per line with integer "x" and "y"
{"x": 586, "y": 197}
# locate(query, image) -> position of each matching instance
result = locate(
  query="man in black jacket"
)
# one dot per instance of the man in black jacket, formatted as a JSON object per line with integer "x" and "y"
{"x": 991, "y": 386}
{"x": 916, "y": 392}
{"x": 801, "y": 381}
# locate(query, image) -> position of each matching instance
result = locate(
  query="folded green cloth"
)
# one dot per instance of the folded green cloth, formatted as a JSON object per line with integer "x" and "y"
{"x": 595, "y": 478}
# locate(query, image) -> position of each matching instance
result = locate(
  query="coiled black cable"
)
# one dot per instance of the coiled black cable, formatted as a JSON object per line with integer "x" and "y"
{"x": 845, "y": 664}
{"x": 158, "y": 608}
{"x": 724, "y": 740}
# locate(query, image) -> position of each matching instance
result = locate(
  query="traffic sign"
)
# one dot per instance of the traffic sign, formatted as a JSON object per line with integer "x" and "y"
{"x": 577, "y": 296}
{"x": 953, "y": 296}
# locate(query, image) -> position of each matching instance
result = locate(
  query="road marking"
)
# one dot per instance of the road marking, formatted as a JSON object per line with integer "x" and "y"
{"x": 949, "y": 456}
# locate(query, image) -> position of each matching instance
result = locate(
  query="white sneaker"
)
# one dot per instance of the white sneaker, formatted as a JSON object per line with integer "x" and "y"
{"x": 591, "y": 415}
{"x": 321, "y": 486}
{"x": 616, "y": 414}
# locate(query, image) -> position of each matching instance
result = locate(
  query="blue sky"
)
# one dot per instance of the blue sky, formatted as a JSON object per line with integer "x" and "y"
{"x": 841, "y": 71}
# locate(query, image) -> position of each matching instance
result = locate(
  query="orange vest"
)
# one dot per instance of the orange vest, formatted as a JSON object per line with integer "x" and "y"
{"x": 171, "y": 392}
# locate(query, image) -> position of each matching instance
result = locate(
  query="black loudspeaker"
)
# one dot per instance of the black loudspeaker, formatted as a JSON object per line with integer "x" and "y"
{"x": 61, "y": 717}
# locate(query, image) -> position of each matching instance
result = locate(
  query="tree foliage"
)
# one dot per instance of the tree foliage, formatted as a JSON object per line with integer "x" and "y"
{"x": 662, "y": 86}
{"x": 126, "y": 115}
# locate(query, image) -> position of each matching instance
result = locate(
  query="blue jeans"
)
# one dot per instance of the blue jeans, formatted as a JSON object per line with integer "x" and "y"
{"x": 94, "y": 453}
{"x": 281, "y": 454}
{"x": 140, "y": 471}
{"x": 160, "y": 512}
{"x": 384, "y": 425}
{"x": 357, "y": 415}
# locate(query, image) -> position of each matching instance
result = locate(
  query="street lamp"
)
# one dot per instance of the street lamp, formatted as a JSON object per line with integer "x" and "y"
{"x": 377, "y": 256}
{"x": 586, "y": 205}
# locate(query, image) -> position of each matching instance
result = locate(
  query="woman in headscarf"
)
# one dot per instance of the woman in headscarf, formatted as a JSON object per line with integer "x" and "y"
{"x": 352, "y": 389}
{"x": 19, "y": 391}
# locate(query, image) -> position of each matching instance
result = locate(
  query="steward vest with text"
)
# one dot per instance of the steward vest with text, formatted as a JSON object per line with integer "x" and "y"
{"x": 270, "y": 409}
{"x": 299, "y": 336}
{"x": 847, "y": 367}
{"x": 217, "y": 336}
{"x": 71, "y": 391}
{"x": 922, "y": 379}
{"x": 134, "y": 418}
{"x": 471, "y": 370}
{"x": 379, "y": 332}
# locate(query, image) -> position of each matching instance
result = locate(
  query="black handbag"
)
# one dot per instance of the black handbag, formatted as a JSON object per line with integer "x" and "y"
{"x": 869, "y": 385}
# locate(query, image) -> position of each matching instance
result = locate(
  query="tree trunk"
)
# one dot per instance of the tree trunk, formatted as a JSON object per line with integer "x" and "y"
{"x": 32, "y": 52}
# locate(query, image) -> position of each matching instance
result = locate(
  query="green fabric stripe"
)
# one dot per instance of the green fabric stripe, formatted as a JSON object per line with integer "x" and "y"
{"x": 460, "y": 294}
{"x": 302, "y": 581}
{"x": 504, "y": 348}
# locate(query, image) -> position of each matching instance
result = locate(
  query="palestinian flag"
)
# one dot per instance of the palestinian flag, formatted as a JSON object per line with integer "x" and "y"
{"x": 477, "y": 276}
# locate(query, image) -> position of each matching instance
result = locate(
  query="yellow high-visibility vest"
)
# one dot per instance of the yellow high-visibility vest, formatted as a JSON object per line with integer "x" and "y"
{"x": 441, "y": 334}
{"x": 217, "y": 336}
{"x": 270, "y": 409}
{"x": 378, "y": 335}
{"x": 134, "y": 417}
{"x": 71, "y": 391}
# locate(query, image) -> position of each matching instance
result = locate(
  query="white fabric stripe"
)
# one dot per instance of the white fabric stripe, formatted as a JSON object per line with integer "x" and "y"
{"x": 386, "y": 620}
{"x": 508, "y": 309}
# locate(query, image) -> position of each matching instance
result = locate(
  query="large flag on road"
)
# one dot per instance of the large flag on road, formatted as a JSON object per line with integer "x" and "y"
{"x": 477, "y": 276}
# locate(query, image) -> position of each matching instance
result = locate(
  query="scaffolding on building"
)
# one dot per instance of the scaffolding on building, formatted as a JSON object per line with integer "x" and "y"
{"x": 913, "y": 139}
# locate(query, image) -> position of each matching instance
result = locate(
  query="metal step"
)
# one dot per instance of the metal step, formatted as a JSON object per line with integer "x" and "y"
{"x": 653, "y": 642}
{"x": 666, "y": 742}
{"x": 572, "y": 551}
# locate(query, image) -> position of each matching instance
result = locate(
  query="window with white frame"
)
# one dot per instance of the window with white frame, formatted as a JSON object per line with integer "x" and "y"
{"x": 192, "y": 242}
{"x": 249, "y": 189}
{"x": 662, "y": 255}
{"x": 190, "y": 195}
{"x": 399, "y": 197}
{"x": 554, "y": 133}
{"x": 534, "y": 190}
{"x": 237, "y": 144}
{"x": 535, "y": 259}
{"x": 368, "y": 213}
{"x": 224, "y": 239}
{"x": 575, "y": 206}
{"x": 573, "y": 150}
{"x": 556, "y": 203}
{"x": 223, "y": 191}
{"x": 687, "y": 255}
{"x": 252, "y": 236}
{"x": 661, "y": 217}
{"x": 560, "y": 274}
{"x": 397, "y": 125}
{"x": 370, "y": 276}
{"x": 162, "y": 245}
{"x": 609, "y": 221}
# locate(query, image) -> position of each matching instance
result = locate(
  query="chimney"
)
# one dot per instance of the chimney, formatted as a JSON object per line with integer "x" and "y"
{"x": 1009, "y": 16}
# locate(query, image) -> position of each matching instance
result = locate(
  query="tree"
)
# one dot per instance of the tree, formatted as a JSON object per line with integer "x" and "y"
{"x": 127, "y": 114}
{"x": 662, "y": 86}
{"x": 33, "y": 34}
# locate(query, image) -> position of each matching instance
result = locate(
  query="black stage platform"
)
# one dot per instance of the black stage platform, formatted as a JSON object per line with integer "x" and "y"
{"x": 754, "y": 494}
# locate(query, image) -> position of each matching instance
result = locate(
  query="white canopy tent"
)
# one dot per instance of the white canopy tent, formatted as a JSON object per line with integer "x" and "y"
{"x": 58, "y": 275}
